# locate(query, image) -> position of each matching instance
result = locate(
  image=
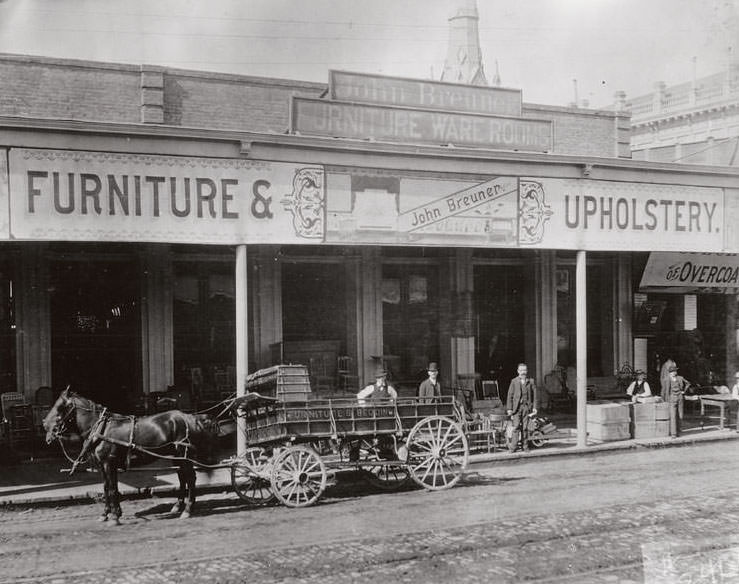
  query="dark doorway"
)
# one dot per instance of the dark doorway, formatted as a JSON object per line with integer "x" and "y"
{"x": 95, "y": 329}
{"x": 500, "y": 326}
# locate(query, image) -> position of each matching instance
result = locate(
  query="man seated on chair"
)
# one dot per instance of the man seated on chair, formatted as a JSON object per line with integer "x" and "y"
{"x": 379, "y": 390}
{"x": 639, "y": 387}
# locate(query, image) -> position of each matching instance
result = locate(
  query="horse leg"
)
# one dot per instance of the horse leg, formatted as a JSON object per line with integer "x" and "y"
{"x": 115, "y": 496}
{"x": 189, "y": 474}
{"x": 106, "y": 492}
{"x": 180, "y": 503}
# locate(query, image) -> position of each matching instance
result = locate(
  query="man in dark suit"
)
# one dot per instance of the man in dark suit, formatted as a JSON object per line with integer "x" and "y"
{"x": 521, "y": 402}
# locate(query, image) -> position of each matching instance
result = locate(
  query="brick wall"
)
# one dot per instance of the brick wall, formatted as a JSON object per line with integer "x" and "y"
{"x": 42, "y": 87}
{"x": 585, "y": 132}
{"x": 231, "y": 102}
{"x": 50, "y": 88}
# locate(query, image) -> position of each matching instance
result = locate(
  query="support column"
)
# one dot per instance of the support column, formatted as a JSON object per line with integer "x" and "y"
{"x": 463, "y": 338}
{"x": 242, "y": 339}
{"x": 157, "y": 353}
{"x": 267, "y": 305}
{"x": 33, "y": 321}
{"x": 582, "y": 347}
{"x": 370, "y": 339}
{"x": 544, "y": 298}
{"x": 624, "y": 309}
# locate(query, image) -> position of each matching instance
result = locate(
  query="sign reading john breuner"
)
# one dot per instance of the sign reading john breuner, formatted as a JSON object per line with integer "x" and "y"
{"x": 336, "y": 119}
{"x": 424, "y": 94}
{"x": 457, "y": 203}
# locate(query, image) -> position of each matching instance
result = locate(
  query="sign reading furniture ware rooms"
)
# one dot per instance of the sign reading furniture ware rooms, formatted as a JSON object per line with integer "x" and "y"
{"x": 418, "y": 111}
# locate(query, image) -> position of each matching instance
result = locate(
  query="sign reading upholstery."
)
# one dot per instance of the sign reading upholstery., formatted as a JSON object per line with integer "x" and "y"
{"x": 600, "y": 215}
{"x": 336, "y": 119}
{"x": 424, "y": 94}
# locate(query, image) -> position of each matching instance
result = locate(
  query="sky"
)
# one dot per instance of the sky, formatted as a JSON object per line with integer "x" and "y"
{"x": 553, "y": 50}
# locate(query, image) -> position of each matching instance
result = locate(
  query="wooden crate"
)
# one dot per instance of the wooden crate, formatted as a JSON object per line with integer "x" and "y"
{"x": 650, "y": 412}
{"x": 610, "y": 431}
{"x": 651, "y": 429}
{"x": 608, "y": 412}
{"x": 287, "y": 383}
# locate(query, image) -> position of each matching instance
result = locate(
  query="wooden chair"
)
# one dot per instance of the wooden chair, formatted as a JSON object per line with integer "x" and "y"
{"x": 17, "y": 416}
{"x": 347, "y": 380}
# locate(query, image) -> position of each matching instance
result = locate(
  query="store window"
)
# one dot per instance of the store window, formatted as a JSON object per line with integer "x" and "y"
{"x": 410, "y": 318}
{"x": 95, "y": 329}
{"x": 500, "y": 326}
{"x": 204, "y": 320}
{"x": 7, "y": 330}
{"x": 600, "y": 319}
{"x": 314, "y": 319}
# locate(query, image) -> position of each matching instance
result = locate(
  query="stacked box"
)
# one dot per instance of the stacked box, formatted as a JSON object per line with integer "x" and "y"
{"x": 650, "y": 420}
{"x": 284, "y": 382}
{"x": 609, "y": 421}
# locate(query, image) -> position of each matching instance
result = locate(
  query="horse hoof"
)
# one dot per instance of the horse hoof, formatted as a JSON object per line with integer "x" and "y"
{"x": 116, "y": 521}
{"x": 102, "y": 518}
{"x": 185, "y": 515}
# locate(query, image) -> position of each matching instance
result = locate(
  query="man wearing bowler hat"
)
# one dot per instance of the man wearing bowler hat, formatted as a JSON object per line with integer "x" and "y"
{"x": 676, "y": 388}
{"x": 520, "y": 404}
{"x": 379, "y": 390}
{"x": 430, "y": 388}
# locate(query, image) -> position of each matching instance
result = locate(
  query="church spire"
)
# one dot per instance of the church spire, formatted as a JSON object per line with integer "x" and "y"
{"x": 464, "y": 59}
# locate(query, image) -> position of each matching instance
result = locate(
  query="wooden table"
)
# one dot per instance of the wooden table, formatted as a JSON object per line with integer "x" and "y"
{"x": 720, "y": 400}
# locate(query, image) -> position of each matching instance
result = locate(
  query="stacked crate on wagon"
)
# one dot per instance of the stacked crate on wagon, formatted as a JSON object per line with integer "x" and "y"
{"x": 286, "y": 383}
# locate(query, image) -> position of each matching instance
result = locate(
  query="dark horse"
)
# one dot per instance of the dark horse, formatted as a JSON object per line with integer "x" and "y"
{"x": 112, "y": 441}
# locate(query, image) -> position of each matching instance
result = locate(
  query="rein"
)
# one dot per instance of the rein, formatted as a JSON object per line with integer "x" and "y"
{"x": 97, "y": 432}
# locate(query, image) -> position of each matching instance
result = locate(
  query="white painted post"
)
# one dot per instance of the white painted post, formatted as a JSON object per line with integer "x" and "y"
{"x": 582, "y": 348}
{"x": 242, "y": 339}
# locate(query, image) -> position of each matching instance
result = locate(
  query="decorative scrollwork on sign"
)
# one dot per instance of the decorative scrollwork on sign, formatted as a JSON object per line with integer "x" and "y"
{"x": 533, "y": 213}
{"x": 307, "y": 203}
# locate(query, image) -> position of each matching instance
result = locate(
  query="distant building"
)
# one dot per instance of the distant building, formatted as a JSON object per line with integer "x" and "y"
{"x": 695, "y": 122}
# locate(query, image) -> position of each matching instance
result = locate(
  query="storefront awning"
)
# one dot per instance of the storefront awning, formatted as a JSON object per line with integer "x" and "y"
{"x": 684, "y": 273}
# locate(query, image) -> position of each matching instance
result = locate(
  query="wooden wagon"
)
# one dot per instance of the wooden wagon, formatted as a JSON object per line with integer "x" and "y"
{"x": 293, "y": 446}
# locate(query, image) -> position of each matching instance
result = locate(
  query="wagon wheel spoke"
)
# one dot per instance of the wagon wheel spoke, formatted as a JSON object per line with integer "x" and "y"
{"x": 439, "y": 453}
{"x": 249, "y": 477}
{"x": 298, "y": 476}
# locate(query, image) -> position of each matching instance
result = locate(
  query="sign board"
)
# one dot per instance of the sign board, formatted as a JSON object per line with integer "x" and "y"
{"x": 684, "y": 272}
{"x": 612, "y": 216}
{"x": 337, "y": 119}
{"x": 424, "y": 94}
{"x": 61, "y": 195}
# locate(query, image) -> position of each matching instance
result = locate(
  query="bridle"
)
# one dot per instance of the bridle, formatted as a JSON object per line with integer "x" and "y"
{"x": 63, "y": 424}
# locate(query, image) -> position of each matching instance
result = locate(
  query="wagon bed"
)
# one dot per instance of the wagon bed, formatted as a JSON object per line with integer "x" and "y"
{"x": 290, "y": 445}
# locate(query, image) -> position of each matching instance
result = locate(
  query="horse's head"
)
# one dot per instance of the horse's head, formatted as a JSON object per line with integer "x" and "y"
{"x": 61, "y": 419}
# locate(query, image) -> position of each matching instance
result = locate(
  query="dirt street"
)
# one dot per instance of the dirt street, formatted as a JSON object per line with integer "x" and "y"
{"x": 564, "y": 517}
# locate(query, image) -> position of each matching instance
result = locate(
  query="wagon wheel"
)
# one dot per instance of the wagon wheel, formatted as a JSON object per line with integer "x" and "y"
{"x": 249, "y": 477}
{"x": 298, "y": 476}
{"x": 437, "y": 453}
{"x": 536, "y": 442}
{"x": 387, "y": 477}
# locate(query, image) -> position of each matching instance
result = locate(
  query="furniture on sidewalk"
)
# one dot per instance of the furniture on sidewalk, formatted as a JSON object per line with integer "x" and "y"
{"x": 17, "y": 419}
{"x": 721, "y": 401}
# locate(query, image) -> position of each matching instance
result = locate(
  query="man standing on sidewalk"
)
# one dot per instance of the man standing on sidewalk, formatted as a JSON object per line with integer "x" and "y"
{"x": 521, "y": 402}
{"x": 676, "y": 388}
